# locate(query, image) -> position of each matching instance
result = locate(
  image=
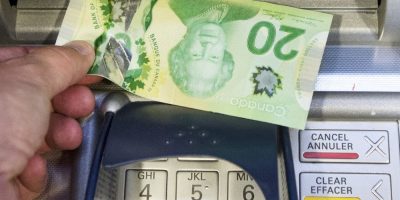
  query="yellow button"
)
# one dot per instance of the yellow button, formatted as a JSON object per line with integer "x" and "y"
{"x": 331, "y": 198}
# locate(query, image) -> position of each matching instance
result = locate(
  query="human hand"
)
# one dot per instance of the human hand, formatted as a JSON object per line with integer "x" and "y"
{"x": 39, "y": 103}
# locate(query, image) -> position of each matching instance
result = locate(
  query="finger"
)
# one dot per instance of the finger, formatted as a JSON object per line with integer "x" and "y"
{"x": 8, "y": 189}
{"x": 90, "y": 79}
{"x": 26, "y": 194}
{"x": 76, "y": 101}
{"x": 34, "y": 176}
{"x": 52, "y": 69}
{"x": 64, "y": 133}
{"x": 7, "y": 53}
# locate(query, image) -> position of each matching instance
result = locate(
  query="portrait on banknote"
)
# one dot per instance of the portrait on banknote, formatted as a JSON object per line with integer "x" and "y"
{"x": 200, "y": 64}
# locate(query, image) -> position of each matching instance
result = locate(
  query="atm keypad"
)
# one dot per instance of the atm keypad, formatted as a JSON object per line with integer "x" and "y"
{"x": 187, "y": 178}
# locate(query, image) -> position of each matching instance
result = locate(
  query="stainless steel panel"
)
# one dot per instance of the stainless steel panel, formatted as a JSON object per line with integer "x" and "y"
{"x": 353, "y": 27}
{"x": 31, "y": 22}
{"x": 360, "y": 68}
{"x": 389, "y": 24}
{"x": 355, "y": 106}
{"x": 7, "y": 22}
{"x": 38, "y": 25}
{"x": 329, "y": 4}
{"x": 42, "y": 4}
{"x": 361, "y": 60}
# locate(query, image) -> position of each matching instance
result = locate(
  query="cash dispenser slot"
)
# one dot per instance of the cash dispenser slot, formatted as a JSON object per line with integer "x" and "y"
{"x": 355, "y": 21}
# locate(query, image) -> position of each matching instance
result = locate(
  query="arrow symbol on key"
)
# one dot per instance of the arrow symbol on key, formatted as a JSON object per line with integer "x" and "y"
{"x": 375, "y": 188}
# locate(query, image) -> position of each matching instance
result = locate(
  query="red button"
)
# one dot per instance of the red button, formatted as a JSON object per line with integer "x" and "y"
{"x": 330, "y": 155}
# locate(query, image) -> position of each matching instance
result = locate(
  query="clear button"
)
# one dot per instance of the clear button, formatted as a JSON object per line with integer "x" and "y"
{"x": 331, "y": 186}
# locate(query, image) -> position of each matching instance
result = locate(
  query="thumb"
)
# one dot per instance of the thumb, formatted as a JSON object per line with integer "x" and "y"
{"x": 7, "y": 190}
{"x": 52, "y": 68}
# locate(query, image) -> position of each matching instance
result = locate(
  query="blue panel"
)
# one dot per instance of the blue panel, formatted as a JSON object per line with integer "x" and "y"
{"x": 147, "y": 130}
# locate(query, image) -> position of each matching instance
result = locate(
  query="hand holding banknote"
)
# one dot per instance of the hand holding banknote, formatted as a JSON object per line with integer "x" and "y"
{"x": 38, "y": 111}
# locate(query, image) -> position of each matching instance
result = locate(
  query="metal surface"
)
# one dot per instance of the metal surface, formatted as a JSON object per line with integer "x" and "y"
{"x": 84, "y": 154}
{"x": 360, "y": 68}
{"x": 113, "y": 102}
{"x": 59, "y": 177}
{"x": 329, "y": 4}
{"x": 38, "y": 25}
{"x": 42, "y": 4}
{"x": 355, "y": 106}
{"x": 31, "y": 21}
{"x": 353, "y": 27}
{"x": 7, "y": 22}
{"x": 389, "y": 25}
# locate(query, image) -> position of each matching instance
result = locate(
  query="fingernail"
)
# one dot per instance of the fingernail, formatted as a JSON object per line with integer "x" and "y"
{"x": 82, "y": 47}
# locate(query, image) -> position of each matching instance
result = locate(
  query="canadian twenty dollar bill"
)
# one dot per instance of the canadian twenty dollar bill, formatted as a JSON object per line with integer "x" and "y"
{"x": 244, "y": 58}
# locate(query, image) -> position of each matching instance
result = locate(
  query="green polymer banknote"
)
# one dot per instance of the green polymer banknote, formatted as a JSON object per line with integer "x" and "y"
{"x": 243, "y": 58}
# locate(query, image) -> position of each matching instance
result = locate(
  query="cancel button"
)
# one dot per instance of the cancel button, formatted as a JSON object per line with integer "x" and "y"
{"x": 357, "y": 146}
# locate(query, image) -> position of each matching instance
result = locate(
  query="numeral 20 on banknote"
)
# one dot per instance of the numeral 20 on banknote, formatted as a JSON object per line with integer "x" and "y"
{"x": 293, "y": 34}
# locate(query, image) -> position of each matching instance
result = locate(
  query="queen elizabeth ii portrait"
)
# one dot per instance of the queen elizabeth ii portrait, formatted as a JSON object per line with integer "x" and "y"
{"x": 200, "y": 64}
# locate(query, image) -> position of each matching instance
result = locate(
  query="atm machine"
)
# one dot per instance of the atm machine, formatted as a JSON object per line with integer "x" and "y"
{"x": 350, "y": 149}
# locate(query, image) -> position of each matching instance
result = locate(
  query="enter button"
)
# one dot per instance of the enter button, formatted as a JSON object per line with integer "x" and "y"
{"x": 350, "y": 146}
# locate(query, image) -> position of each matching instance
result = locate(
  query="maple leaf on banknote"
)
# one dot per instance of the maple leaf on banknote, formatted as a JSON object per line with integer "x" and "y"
{"x": 143, "y": 59}
{"x": 133, "y": 84}
{"x": 266, "y": 81}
